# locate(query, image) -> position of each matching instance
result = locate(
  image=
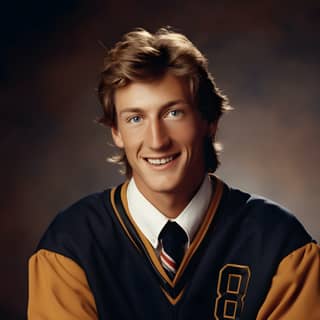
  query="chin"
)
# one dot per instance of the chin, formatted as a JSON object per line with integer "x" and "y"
{"x": 163, "y": 187}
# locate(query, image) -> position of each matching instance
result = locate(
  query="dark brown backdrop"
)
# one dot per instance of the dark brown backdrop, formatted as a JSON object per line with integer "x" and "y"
{"x": 264, "y": 55}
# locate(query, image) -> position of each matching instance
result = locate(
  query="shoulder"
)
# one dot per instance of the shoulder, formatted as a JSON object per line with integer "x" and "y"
{"x": 269, "y": 224}
{"x": 261, "y": 210}
{"x": 272, "y": 215}
{"x": 77, "y": 227}
{"x": 84, "y": 211}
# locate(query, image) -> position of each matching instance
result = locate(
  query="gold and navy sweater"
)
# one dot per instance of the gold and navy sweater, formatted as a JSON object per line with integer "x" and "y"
{"x": 250, "y": 259}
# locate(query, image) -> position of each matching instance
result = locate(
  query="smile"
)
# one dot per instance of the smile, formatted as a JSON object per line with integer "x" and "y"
{"x": 160, "y": 161}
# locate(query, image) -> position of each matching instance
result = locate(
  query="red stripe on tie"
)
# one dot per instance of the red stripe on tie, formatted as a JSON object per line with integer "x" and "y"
{"x": 167, "y": 261}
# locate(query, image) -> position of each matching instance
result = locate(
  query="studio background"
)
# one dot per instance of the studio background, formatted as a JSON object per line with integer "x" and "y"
{"x": 264, "y": 55}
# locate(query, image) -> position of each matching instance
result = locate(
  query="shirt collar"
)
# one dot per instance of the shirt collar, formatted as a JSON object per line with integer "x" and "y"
{"x": 151, "y": 221}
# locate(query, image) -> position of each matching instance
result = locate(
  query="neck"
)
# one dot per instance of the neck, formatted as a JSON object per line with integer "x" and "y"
{"x": 171, "y": 203}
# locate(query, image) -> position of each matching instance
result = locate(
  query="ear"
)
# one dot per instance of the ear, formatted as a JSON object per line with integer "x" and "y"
{"x": 117, "y": 138}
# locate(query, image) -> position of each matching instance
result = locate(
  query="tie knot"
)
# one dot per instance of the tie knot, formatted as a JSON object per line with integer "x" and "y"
{"x": 173, "y": 239}
{"x": 173, "y": 233}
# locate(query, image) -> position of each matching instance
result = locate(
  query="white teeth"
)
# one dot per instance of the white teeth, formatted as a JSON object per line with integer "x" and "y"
{"x": 160, "y": 161}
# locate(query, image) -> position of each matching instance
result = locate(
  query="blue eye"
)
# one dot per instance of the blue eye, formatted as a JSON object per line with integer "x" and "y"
{"x": 174, "y": 113}
{"x": 134, "y": 119}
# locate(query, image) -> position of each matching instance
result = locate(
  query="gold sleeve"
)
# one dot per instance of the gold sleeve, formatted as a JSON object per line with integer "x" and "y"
{"x": 295, "y": 290}
{"x": 58, "y": 289}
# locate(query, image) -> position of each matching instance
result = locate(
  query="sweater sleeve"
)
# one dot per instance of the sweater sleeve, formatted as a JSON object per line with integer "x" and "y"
{"x": 58, "y": 289}
{"x": 295, "y": 290}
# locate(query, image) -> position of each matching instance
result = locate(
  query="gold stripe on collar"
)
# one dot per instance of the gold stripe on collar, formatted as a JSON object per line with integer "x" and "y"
{"x": 217, "y": 194}
{"x": 146, "y": 243}
{"x": 112, "y": 197}
{"x": 173, "y": 301}
{"x": 218, "y": 190}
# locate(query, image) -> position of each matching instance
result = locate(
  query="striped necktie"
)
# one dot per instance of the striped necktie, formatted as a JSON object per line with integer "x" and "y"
{"x": 173, "y": 240}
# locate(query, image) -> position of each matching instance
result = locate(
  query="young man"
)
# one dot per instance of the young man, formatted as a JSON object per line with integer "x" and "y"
{"x": 174, "y": 241}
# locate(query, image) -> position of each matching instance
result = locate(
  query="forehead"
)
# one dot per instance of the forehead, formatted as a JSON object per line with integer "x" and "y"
{"x": 147, "y": 94}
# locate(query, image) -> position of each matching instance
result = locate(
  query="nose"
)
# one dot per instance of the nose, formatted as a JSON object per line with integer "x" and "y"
{"x": 157, "y": 137}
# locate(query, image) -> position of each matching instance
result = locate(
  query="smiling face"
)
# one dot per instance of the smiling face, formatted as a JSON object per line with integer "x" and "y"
{"x": 162, "y": 135}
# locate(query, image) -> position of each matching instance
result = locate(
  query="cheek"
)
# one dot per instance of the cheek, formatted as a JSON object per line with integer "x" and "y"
{"x": 190, "y": 136}
{"x": 131, "y": 144}
{"x": 194, "y": 141}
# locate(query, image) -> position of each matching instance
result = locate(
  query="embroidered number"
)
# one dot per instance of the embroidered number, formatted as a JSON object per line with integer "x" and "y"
{"x": 232, "y": 289}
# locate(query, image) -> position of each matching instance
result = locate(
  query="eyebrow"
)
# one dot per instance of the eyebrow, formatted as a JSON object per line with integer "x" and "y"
{"x": 164, "y": 106}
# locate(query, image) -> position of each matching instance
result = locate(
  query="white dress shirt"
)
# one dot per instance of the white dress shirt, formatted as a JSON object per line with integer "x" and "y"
{"x": 151, "y": 221}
